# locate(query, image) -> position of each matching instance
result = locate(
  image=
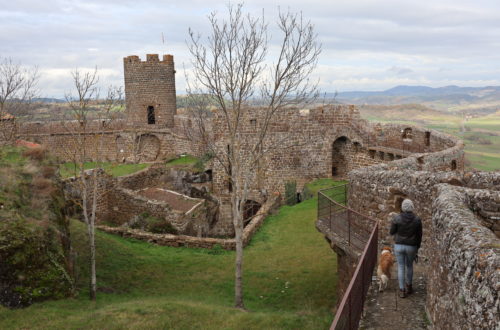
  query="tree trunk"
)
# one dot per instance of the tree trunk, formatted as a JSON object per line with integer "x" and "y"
{"x": 93, "y": 282}
{"x": 238, "y": 283}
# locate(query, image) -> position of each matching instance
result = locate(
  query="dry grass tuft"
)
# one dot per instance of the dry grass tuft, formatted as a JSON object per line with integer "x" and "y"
{"x": 48, "y": 171}
{"x": 37, "y": 153}
{"x": 42, "y": 186}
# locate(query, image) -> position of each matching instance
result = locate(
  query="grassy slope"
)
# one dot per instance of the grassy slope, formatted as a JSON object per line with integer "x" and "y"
{"x": 289, "y": 270}
{"x": 186, "y": 160}
{"x": 68, "y": 169}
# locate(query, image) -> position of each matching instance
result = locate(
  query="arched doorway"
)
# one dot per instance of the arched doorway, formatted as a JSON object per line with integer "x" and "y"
{"x": 341, "y": 156}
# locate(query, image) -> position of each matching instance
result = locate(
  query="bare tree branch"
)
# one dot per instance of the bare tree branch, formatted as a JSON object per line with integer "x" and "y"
{"x": 230, "y": 72}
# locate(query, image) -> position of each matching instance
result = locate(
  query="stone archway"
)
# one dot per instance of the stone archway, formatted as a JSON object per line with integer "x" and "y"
{"x": 148, "y": 147}
{"x": 341, "y": 156}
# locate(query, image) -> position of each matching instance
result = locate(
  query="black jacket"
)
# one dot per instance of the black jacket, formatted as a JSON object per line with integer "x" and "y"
{"x": 407, "y": 229}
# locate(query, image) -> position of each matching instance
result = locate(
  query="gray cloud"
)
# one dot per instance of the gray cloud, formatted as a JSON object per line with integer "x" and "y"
{"x": 420, "y": 42}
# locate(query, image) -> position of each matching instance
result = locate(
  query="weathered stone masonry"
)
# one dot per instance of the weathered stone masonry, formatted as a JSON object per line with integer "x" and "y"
{"x": 461, "y": 227}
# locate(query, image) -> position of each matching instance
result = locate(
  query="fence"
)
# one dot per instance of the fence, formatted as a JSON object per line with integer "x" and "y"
{"x": 351, "y": 226}
{"x": 347, "y": 227}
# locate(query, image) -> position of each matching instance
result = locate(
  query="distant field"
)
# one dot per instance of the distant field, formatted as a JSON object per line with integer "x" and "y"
{"x": 481, "y": 136}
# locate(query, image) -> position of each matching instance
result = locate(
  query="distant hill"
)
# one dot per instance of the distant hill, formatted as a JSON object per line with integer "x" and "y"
{"x": 442, "y": 98}
{"x": 48, "y": 100}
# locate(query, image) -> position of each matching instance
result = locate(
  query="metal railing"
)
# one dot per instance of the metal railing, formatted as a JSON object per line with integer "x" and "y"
{"x": 350, "y": 228}
{"x": 351, "y": 307}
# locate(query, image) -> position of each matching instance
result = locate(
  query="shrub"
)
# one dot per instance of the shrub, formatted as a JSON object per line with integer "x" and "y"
{"x": 307, "y": 193}
{"x": 147, "y": 222}
{"x": 160, "y": 226}
{"x": 33, "y": 266}
{"x": 291, "y": 193}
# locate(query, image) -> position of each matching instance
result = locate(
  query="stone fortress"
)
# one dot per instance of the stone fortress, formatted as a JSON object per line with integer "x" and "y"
{"x": 384, "y": 163}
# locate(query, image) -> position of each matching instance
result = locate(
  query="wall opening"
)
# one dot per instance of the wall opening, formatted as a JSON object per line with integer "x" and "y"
{"x": 250, "y": 209}
{"x": 253, "y": 123}
{"x": 453, "y": 165}
{"x": 427, "y": 139}
{"x": 357, "y": 147}
{"x": 397, "y": 201}
{"x": 407, "y": 134}
{"x": 341, "y": 149}
{"x": 372, "y": 154}
{"x": 151, "y": 115}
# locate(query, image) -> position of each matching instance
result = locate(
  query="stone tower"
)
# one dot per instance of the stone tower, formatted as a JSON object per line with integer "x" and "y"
{"x": 150, "y": 91}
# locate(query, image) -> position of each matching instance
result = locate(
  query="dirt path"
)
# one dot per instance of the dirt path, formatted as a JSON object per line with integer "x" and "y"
{"x": 385, "y": 310}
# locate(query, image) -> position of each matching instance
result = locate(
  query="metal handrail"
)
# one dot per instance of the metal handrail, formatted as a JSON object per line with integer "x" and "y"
{"x": 346, "y": 299}
{"x": 351, "y": 307}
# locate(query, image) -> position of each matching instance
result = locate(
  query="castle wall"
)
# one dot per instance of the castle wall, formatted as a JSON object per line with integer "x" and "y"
{"x": 464, "y": 274}
{"x": 378, "y": 191}
{"x": 116, "y": 144}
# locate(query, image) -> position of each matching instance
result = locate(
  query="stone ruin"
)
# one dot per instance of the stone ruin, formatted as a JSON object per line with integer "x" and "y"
{"x": 384, "y": 163}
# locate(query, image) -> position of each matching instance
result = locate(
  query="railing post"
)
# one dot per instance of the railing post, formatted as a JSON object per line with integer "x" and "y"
{"x": 345, "y": 195}
{"x": 349, "y": 227}
{"x": 330, "y": 214}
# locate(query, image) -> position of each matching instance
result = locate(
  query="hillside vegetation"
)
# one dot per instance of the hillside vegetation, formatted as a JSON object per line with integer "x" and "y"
{"x": 289, "y": 278}
{"x": 34, "y": 250}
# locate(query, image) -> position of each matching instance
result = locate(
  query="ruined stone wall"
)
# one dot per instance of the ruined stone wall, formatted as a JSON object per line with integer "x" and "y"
{"x": 118, "y": 142}
{"x": 119, "y": 205}
{"x": 198, "y": 242}
{"x": 300, "y": 145}
{"x": 150, "y": 84}
{"x": 378, "y": 190}
{"x": 74, "y": 187}
{"x": 463, "y": 284}
{"x": 409, "y": 138}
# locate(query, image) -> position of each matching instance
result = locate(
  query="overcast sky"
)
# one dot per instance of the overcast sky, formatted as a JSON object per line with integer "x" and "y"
{"x": 367, "y": 44}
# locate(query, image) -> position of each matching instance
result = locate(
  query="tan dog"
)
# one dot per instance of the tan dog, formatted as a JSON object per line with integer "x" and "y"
{"x": 384, "y": 267}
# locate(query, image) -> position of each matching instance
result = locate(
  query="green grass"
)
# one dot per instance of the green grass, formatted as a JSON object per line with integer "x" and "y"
{"x": 68, "y": 169}
{"x": 185, "y": 160}
{"x": 289, "y": 282}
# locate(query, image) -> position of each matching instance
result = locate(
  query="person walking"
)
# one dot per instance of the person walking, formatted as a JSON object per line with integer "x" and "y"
{"x": 407, "y": 230}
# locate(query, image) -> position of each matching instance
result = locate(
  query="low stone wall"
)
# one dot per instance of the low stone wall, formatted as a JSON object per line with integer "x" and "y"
{"x": 148, "y": 177}
{"x": 464, "y": 277}
{"x": 118, "y": 205}
{"x": 197, "y": 242}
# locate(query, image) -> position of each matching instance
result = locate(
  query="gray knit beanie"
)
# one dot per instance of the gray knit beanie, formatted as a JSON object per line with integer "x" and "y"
{"x": 407, "y": 206}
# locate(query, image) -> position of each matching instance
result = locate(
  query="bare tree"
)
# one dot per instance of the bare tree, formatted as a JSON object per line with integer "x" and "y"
{"x": 85, "y": 142}
{"x": 18, "y": 88}
{"x": 231, "y": 72}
